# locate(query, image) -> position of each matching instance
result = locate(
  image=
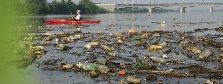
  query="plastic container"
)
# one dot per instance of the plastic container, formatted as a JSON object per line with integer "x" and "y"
{"x": 143, "y": 66}
{"x": 89, "y": 66}
{"x": 163, "y": 44}
{"x": 133, "y": 80}
{"x": 121, "y": 73}
{"x": 157, "y": 59}
{"x": 67, "y": 66}
{"x": 63, "y": 47}
{"x": 88, "y": 46}
{"x": 204, "y": 54}
{"x": 103, "y": 69}
{"x": 131, "y": 31}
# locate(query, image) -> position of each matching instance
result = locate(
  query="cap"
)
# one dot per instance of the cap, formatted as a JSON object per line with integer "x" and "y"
{"x": 78, "y": 11}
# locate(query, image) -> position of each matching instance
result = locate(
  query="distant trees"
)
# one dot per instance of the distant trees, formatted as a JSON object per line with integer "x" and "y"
{"x": 68, "y": 7}
{"x": 88, "y": 7}
{"x": 63, "y": 7}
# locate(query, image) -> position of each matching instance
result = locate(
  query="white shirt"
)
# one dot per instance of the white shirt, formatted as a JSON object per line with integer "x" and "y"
{"x": 78, "y": 17}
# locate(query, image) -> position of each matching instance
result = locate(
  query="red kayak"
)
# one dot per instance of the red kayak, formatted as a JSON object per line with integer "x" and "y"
{"x": 70, "y": 21}
{"x": 69, "y": 24}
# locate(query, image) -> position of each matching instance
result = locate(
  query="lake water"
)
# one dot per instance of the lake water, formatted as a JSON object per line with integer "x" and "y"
{"x": 125, "y": 21}
{"x": 141, "y": 21}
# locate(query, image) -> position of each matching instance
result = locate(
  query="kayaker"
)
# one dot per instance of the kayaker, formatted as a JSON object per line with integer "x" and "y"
{"x": 78, "y": 16}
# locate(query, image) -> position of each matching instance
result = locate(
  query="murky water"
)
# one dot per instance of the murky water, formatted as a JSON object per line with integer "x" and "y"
{"x": 188, "y": 21}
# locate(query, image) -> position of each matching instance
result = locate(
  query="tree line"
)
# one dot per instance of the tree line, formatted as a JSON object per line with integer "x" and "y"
{"x": 63, "y": 7}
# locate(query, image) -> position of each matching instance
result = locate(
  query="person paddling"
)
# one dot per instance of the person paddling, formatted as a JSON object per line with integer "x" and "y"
{"x": 78, "y": 16}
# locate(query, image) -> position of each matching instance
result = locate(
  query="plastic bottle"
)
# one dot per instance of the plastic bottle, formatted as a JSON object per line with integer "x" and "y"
{"x": 205, "y": 53}
{"x": 157, "y": 59}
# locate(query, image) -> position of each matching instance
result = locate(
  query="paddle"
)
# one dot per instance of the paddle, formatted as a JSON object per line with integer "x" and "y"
{"x": 71, "y": 15}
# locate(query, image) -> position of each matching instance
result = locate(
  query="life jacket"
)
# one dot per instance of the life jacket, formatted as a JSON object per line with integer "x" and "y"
{"x": 80, "y": 18}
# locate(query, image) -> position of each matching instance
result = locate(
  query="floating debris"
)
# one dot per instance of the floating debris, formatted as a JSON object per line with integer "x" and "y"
{"x": 204, "y": 54}
{"x": 167, "y": 53}
{"x": 67, "y": 66}
{"x": 120, "y": 73}
{"x": 131, "y": 79}
{"x": 103, "y": 68}
{"x": 155, "y": 47}
{"x": 143, "y": 66}
{"x": 131, "y": 31}
{"x": 87, "y": 66}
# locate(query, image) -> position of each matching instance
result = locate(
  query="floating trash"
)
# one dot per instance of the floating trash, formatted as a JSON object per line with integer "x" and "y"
{"x": 93, "y": 73}
{"x": 103, "y": 68}
{"x": 63, "y": 47}
{"x": 131, "y": 31}
{"x": 159, "y": 60}
{"x": 87, "y": 66}
{"x": 204, "y": 54}
{"x": 87, "y": 47}
{"x": 143, "y": 66}
{"x": 67, "y": 66}
{"x": 137, "y": 37}
{"x": 131, "y": 79}
{"x": 110, "y": 54}
{"x": 155, "y": 47}
{"x": 120, "y": 73}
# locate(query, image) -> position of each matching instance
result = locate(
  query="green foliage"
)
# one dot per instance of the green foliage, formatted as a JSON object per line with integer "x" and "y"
{"x": 42, "y": 7}
{"x": 88, "y": 7}
{"x": 12, "y": 26}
